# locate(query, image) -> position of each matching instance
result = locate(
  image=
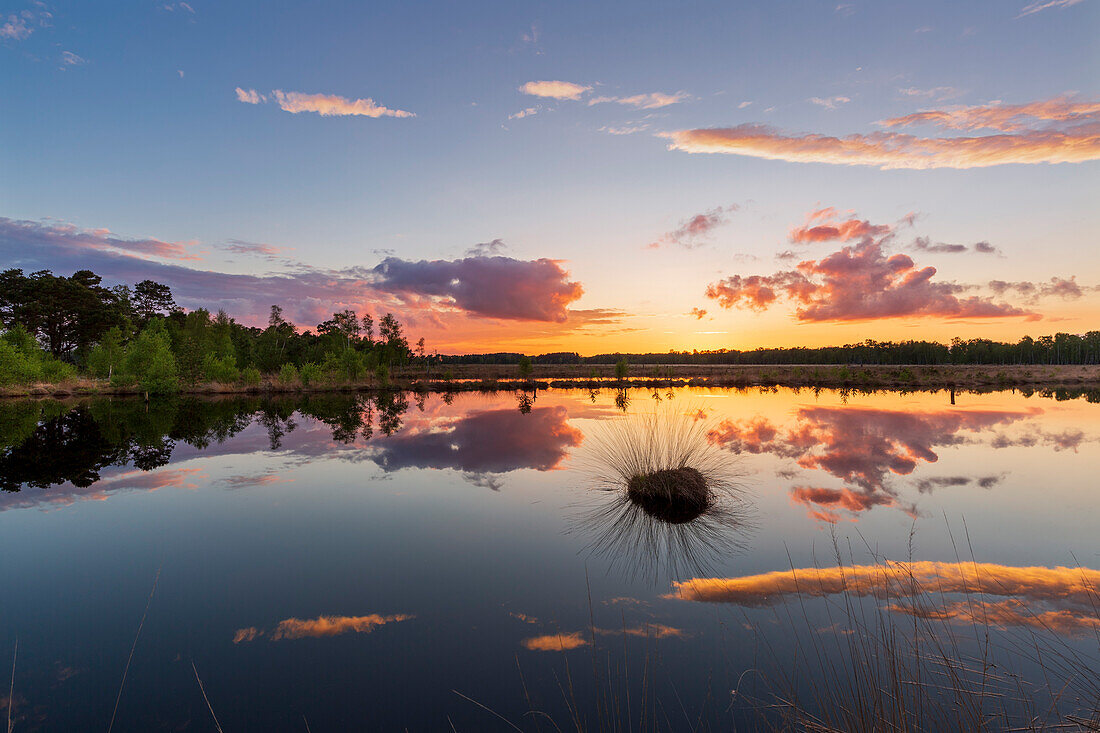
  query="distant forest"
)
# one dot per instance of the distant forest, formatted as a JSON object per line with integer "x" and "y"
{"x": 57, "y": 328}
{"x": 1061, "y": 348}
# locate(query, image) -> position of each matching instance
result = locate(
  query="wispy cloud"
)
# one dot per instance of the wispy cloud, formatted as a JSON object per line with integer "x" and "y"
{"x": 693, "y": 232}
{"x": 554, "y": 89}
{"x": 525, "y": 112}
{"x": 1041, "y": 5}
{"x": 72, "y": 237}
{"x": 487, "y": 249}
{"x": 829, "y": 102}
{"x": 1059, "y": 130}
{"x": 249, "y": 96}
{"x": 924, "y": 244}
{"x": 241, "y": 247}
{"x": 15, "y": 28}
{"x": 326, "y": 105}
{"x": 653, "y": 100}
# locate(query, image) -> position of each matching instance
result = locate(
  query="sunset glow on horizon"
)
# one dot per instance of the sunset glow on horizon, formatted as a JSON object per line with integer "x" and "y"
{"x": 720, "y": 177}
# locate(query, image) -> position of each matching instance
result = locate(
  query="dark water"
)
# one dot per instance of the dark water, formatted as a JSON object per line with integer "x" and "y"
{"x": 353, "y": 563}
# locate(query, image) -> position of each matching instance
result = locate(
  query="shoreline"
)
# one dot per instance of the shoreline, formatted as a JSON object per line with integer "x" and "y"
{"x": 501, "y": 377}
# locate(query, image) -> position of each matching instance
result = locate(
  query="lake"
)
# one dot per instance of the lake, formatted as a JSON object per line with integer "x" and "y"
{"x": 332, "y": 562}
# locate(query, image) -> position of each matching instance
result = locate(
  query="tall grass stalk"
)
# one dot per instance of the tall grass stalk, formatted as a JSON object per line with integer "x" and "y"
{"x": 126, "y": 669}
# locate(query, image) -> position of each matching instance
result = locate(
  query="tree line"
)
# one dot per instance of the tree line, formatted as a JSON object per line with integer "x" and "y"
{"x": 58, "y": 327}
{"x": 1061, "y": 348}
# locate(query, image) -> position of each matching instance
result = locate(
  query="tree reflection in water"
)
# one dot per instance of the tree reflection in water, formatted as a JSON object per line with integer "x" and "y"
{"x": 49, "y": 443}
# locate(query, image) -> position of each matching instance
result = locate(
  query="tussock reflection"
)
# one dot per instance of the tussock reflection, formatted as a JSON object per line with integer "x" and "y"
{"x": 1059, "y": 599}
{"x": 664, "y": 500}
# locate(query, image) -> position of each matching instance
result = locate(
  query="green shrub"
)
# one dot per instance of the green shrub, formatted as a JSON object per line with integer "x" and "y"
{"x": 310, "y": 373}
{"x": 382, "y": 374}
{"x": 16, "y": 367}
{"x": 220, "y": 369}
{"x": 251, "y": 376}
{"x": 524, "y": 366}
{"x": 288, "y": 374}
{"x": 622, "y": 369}
{"x": 56, "y": 371}
{"x": 108, "y": 355}
{"x": 149, "y": 361}
{"x": 351, "y": 364}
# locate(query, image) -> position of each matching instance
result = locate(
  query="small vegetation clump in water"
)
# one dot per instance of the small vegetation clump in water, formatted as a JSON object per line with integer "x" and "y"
{"x": 673, "y": 495}
{"x": 666, "y": 499}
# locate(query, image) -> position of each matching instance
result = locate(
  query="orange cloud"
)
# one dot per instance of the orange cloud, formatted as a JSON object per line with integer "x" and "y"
{"x": 296, "y": 628}
{"x": 1059, "y": 599}
{"x": 248, "y": 634}
{"x": 1053, "y": 131}
{"x": 555, "y": 642}
{"x": 574, "y": 639}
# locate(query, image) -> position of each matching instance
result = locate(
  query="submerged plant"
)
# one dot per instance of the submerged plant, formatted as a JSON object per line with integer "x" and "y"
{"x": 664, "y": 499}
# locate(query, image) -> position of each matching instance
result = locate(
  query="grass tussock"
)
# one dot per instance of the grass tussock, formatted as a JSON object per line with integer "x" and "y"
{"x": 663, "y": 500}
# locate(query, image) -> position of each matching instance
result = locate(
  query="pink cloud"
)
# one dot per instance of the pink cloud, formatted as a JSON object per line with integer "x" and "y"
{"x": 858, "y": 283}
{"x": 831, "y": 228}
{"x": 425, "y": 292}
{"x": 1003, "y": 117}
{"x": 35, "y": 234}
{"x": 691, "y": 231}
{"x": 498, "y": 287}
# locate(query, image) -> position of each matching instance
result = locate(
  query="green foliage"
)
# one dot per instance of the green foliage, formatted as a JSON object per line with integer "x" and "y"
{"x": 108, "y": 354}
{"x": 16, "y": 367}
{"x": 382, "y": 374}
{"x": 220, "y": 369}
{"x": 310, "y": 373}
{"x": 65, "y": 313}
{"x": 22, "y": 361}
{"x": 288, "y": 374}
{"x": 351, "y": 364}
{"x": 150, "y": 363}
{"x": 622, "y": 369}
{"x": 251, "y": 376}
{"x": 524, "y": 366}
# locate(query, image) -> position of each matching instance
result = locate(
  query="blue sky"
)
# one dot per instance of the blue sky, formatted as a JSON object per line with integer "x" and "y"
{"x": 124, "y": 116}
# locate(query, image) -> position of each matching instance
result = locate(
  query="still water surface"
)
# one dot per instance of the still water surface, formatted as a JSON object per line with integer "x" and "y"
{"x": 352, "y": 563}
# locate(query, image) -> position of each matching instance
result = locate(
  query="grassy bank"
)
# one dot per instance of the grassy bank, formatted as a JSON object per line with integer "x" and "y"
{"x": 491, "y": 377}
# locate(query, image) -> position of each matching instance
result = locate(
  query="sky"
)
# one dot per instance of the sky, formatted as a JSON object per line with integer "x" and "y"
{"x": 568, "y": 176}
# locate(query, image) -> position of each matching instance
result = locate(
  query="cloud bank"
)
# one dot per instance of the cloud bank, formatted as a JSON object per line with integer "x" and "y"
{"x": 1059, "y": 130}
